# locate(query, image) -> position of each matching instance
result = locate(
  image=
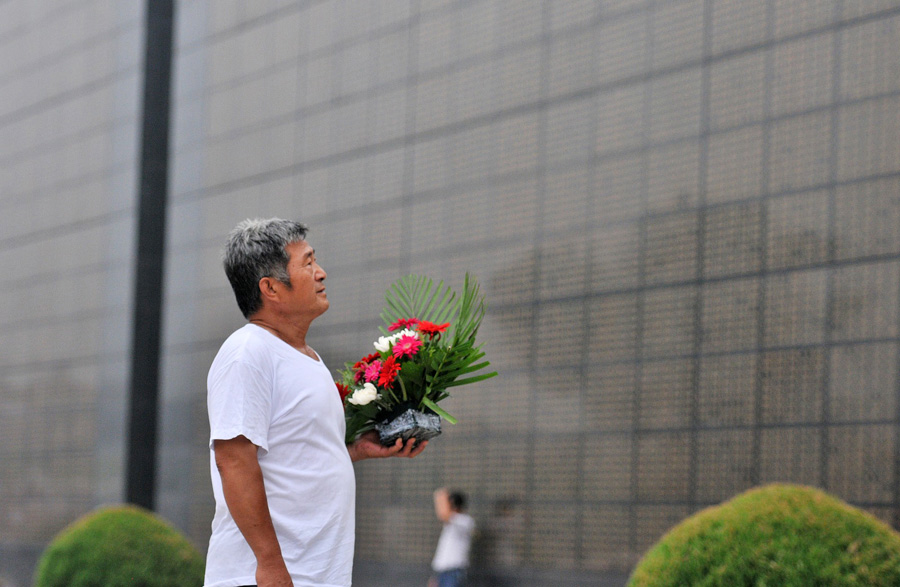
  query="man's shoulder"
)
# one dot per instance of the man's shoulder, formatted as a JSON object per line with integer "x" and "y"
{"x": 242, "y": 336}
{"x": 243, "y": 345}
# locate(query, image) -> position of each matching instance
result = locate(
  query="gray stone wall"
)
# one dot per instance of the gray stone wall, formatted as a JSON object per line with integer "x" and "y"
{"x": 69, "y": 83}
{"x": 684, "y": 214}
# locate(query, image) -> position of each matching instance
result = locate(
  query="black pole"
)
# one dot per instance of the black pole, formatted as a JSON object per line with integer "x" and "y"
{"x": 146, "y": 327}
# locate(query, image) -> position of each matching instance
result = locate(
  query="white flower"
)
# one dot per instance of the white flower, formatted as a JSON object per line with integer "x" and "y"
{"x": 365, "y": 395}
{"x": 384, "y": 343}
{"x": 406, "y": 332}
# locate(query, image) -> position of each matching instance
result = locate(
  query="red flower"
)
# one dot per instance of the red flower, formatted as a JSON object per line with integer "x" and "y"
{"x": 403, "y": 323}
{"x": 389, "y": 371}
{"x": 406, "y": 346}
{"x": 343, "y": 390}
{"x": 431, "y": 328}
{"x": 366, "y": 360}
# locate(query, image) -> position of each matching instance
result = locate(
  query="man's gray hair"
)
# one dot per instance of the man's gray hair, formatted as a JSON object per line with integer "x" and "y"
{"x": 256, "y": 249}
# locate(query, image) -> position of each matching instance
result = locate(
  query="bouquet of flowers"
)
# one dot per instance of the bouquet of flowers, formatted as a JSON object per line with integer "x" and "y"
{"x": 427, "y": 346}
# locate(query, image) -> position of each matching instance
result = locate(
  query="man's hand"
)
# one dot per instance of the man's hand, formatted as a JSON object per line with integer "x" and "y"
{"x": 368, "y": 446}
{"x": 273, "y": 575}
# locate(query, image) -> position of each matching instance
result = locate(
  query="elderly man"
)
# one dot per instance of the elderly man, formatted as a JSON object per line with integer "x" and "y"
{"x": 282, "y": 476}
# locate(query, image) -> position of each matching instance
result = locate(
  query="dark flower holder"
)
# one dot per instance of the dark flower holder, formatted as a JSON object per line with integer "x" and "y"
{"x": 410, "y": 424}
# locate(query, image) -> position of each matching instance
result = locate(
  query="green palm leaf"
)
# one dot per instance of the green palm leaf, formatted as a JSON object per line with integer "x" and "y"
{"x": 417, "y": 297}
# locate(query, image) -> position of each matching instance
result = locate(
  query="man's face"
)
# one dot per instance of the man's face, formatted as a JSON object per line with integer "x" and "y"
{"x": 307, "y": 292}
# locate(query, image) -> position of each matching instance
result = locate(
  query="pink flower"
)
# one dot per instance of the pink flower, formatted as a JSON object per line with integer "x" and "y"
{"x": 406, "y": 346}
{"x": 403, "y": 323}
{"x": 373, "y": 369}
{"x": 359, "y": 367}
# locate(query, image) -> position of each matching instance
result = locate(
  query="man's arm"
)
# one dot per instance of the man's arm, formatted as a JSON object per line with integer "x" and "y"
{"x": 367, "y": 446}
{"x": 245, "y": 495}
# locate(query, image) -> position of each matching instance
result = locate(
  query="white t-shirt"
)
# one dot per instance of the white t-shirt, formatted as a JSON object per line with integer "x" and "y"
{"x": 453, "y": 546}
{"x": 285, "y": 403}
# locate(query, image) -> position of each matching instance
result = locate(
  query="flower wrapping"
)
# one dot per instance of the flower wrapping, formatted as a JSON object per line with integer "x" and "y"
{"x": 409, "y": 424}
{"x": 427, "y": 346}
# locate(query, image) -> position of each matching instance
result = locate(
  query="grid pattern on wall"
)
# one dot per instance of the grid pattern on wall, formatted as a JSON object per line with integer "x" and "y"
{"x": 684, "y": 214}
{"x": 68, "y": 106}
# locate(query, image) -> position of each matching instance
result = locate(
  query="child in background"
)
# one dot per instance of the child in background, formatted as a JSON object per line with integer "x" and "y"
{"x": 451, "y": 559}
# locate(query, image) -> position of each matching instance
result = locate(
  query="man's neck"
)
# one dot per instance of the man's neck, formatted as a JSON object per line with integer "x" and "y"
{"x": 292, "y": 334}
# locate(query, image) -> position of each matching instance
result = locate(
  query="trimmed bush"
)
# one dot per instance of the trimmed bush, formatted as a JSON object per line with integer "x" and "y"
{"x": 776, "y": 535}
{"x": 122, "y": 545}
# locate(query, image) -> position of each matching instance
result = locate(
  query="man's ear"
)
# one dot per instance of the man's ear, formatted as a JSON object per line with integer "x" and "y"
{"x": 268, "y": 288}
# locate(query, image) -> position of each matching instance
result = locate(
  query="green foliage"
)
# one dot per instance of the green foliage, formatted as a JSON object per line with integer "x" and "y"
{"x": 776, "y": 535}
{"x": 415, "y": 296}
{"x": 119, "y": 546}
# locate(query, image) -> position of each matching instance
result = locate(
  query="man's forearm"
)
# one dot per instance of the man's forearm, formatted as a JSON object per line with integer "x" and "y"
{"x": 245, "y": 496}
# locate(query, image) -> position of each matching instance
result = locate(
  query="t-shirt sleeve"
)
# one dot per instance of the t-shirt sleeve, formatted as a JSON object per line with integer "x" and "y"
{"x": 240, "y": 403}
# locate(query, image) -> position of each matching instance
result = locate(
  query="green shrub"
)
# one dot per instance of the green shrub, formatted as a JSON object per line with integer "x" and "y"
{"x": 123, "y": 545}
{"x": 777, "y": 535}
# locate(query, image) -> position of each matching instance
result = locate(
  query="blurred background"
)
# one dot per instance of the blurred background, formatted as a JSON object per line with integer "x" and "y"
{"x": 685, "y": 215}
